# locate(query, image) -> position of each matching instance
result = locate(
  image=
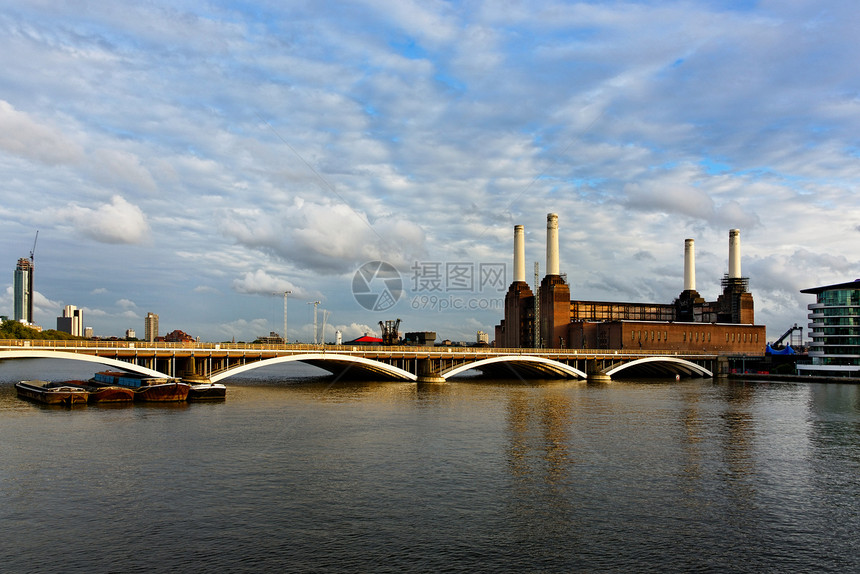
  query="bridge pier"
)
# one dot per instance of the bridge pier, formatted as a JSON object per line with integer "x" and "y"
{"x": 595, "y": 373}
{"x": 189, "y": 372}
{"x": 427, "y": 373}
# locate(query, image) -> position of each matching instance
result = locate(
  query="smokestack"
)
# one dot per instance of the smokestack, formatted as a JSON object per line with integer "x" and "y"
{"x": 689, "y": 265}
{"x": 734, "y": 254}
{"x": 552, "y": 244}
{"x": 519, "y": 253}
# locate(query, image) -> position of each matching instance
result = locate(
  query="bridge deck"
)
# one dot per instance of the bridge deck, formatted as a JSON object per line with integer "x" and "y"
{"x": 219, "y": 360}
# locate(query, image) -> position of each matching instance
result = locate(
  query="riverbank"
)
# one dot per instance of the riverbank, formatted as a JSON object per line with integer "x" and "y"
{"x": 793, "y": 378}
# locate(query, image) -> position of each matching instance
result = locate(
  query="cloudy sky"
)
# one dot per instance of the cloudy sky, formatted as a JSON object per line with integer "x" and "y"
{"x": 193, "y": 159}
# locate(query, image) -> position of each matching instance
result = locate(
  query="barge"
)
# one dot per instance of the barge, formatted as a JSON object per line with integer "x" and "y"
{"x": 48, "y": 394}
{"x": 146, "y": 389}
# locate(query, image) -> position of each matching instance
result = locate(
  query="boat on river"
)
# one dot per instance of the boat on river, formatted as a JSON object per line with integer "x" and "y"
{"x": 98, "y": 395}
{"x": 48, "y": 394}
{"x": 207, "y": 392}
{"x": 146, "y": 389}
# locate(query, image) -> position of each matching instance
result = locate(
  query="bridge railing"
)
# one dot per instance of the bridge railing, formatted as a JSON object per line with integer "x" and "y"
{"x": 307, "y": 347}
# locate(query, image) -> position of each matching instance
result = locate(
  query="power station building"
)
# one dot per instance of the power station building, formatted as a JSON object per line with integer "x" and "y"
{"x": 687, "y": 324}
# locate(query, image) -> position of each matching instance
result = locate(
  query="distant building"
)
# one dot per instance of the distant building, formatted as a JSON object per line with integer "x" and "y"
{"x": 88, "y": 332}
{"x": 271, "y": 339}
{"x": 177, "y": 336}
{"x": 23, "y": 290}
{"x": 151, "y": 327}
{"x": 420, "y": 338}
{"x": 483, "y": 338}
{"x": 72, "y": 321}
{"x": 130, "y": 334}
{"x": 834, "y": 331}
{"x": 366, "y": 339}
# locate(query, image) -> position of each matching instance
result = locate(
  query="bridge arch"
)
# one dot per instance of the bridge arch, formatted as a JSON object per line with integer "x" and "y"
{"x": 51, "y": 354}
{"x": 318, "y": 360}
{"x": 667, "y": 364}
{"x": 535, "y": 364}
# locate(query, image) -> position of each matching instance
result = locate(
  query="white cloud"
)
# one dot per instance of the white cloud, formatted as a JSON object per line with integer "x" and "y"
{"x": 115, "y": 168}
{"x": 243, "y": 330}
{"x": 259, "y": 282}
{"x": 23, "y": 136}
{"x": 116, "y": 222}
{"x": 329, "y": 238}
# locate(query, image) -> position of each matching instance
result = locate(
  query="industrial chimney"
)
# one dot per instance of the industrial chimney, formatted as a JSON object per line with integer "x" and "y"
{"x": 734, "y": 254}
{"x": 519, "y": 253}
{"x": 689, "y": 265}
{"x": 552, "y": 244}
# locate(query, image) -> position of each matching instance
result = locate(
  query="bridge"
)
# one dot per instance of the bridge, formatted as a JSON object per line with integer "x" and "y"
{"x": 217, "y": 361}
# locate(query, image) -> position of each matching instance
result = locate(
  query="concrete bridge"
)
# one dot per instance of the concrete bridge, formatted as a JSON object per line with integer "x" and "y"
{"x": 218, "y": 361}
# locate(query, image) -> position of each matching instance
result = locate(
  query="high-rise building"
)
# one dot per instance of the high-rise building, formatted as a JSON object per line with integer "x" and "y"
{"x": 72, "y": 321}
{"x": 88, "y": 332}
{"x": 23, "y": 291}
{"x": 151, "y": 327}
{"x": 130, "y": 334}
{"x": 835, "y": 331}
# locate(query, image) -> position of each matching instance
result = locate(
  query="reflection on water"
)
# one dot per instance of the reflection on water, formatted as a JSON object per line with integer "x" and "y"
{"x": 310, "y": 475}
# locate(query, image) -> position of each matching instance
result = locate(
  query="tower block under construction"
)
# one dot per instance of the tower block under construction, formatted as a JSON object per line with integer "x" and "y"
{"x": 551, "y": 319}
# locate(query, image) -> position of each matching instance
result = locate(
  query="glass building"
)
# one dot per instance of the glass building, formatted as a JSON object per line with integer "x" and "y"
{"x": 834, "y": 331}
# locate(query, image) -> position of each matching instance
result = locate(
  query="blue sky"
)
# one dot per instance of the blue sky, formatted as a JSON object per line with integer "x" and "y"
{"x": 193, "y": 158}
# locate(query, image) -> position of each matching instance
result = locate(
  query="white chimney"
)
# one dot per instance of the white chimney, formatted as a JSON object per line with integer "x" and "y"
{"x": 734, "y": 254}
{"x": 519, "y": 253}
{"x": 689, "y": 265}
{"x": 552, "y": 244}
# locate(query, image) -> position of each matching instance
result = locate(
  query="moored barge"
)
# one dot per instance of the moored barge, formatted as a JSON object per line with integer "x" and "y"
{"x": 207, "y": 392}
{"x": 45, "y": 393}
{"x": 147, "y": 389}
{"x": 98, "y": 395}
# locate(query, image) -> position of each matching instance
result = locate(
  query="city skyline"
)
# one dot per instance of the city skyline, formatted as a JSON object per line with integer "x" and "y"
{"x": 197, "y": 160}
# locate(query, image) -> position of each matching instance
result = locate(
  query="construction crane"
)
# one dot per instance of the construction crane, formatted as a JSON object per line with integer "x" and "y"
{"x": 389, "y": 331}
{"x": 791, "y": 330}
{"x": 33, "y": 251}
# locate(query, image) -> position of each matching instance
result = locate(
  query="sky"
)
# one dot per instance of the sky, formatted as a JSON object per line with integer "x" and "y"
{"x": 198, "y": 159}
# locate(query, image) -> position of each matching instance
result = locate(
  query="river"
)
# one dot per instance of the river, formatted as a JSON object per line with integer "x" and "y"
{"x": 296, "y": 474}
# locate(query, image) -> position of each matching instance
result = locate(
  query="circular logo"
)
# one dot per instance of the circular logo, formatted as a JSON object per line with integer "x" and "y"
{"x": 377, "y": 286}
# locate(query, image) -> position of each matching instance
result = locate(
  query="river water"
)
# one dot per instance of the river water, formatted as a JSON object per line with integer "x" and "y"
{"x": 295, "y": 474}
